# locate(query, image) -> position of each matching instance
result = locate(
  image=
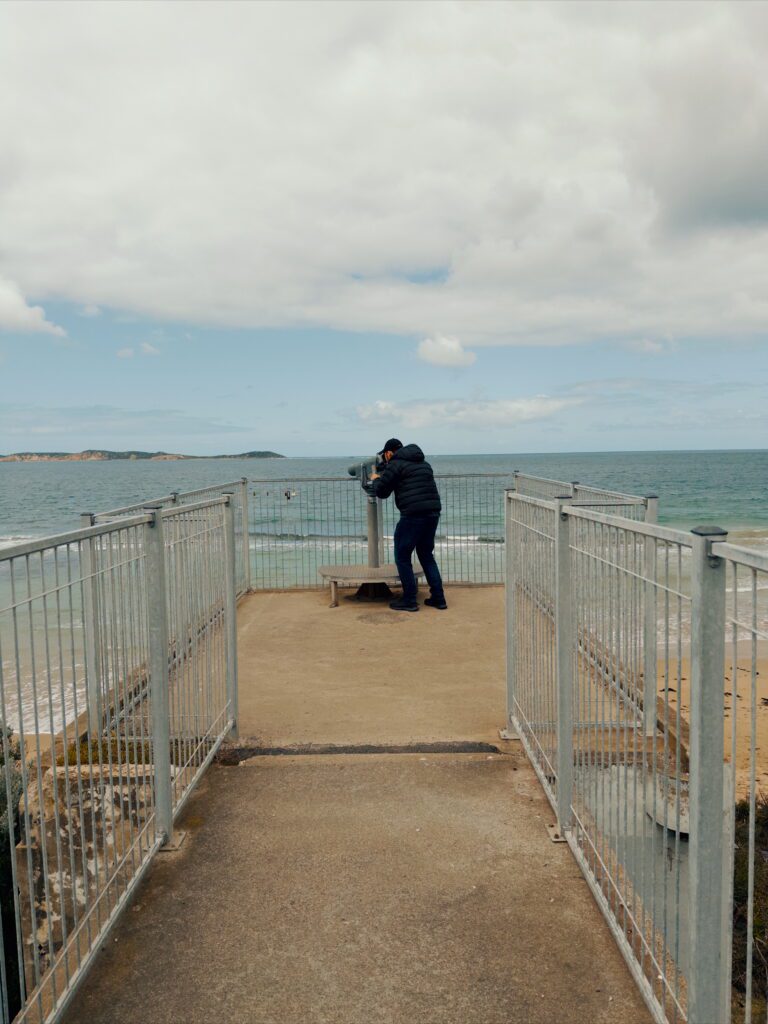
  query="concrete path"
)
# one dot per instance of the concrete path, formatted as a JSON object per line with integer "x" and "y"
{"x": 366, "y": 889}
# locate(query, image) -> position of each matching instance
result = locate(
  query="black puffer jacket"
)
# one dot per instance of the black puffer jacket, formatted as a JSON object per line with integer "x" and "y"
{"x": 410, "y": 476}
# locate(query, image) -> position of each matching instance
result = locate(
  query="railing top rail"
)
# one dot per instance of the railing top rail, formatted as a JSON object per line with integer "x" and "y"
{"x": 527, "y": 499}
{"x": 58, "y": 540}
{"x": 542, "y": 479}
{"x": 175, "y": 497}
{"x": 630, "y": 499}
{"x": 136, "y": 507}
{"x": 193, "y": 506}
{"x": 742, "y": 556}
{"x": 213, "y": 487}
{"x": 342, "y": 479}
{"x": 599, "y": 503}
{"x": 664, "y": 533}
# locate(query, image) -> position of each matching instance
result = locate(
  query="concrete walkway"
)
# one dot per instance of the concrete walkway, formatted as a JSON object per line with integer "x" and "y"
{"x": 385, "y": 888}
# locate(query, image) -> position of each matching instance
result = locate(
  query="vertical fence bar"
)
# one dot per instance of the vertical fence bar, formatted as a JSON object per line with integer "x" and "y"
{"x": 230, "y": 612}
{"x": 246, "y": 539}
{"x": 650, "y": 624}
{"x": 91, "y": 630}
{"x": 564, "y": 662}
{"x": 159, "y": 675}
{"x": 707, "y": 960}
{"x": 510, "y": 595}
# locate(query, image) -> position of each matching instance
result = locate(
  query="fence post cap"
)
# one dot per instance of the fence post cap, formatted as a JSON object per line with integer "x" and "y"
{"x": 709, "y": 531}
{"x": 647, "y": 496}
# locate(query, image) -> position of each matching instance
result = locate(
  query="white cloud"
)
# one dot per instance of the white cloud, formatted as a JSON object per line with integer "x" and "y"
{"x": 90, "y": 310}
{"x": 511, "y": 174}
{"x": 645, "y": 346}
{"x": 465, "y": 413}
{"x": 149, "y": 350}
{"x": 443, "y": 350}
{"x": 73, "y": 428}
{"x": 17, "y": 315}
{"x": 125, "y": 353}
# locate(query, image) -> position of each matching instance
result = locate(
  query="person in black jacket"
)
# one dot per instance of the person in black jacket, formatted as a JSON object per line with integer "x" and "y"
{"x": 410, "y": 476}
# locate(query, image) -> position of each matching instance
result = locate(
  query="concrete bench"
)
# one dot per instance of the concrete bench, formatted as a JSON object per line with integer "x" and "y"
{"x": 357, "y": 575}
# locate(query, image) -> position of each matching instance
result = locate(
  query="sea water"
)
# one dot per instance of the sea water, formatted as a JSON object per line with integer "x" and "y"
{"x": 729, "y": 488}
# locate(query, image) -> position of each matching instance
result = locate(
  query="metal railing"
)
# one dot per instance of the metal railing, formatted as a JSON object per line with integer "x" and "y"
{"x": 298, "y": 525}
{"x": 117, "y": 684}
{"x": 631, "y": 506}
{"x": 618, "y": 687}
{"x": 743, "y": 699}
{"x": 238, "y": 489}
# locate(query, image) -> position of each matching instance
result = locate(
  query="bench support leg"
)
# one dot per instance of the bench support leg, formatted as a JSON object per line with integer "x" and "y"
{"x": 334, "y": 594}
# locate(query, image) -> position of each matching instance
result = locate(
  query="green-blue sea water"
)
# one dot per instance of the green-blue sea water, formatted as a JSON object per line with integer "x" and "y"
{"x": 729, "y": 488}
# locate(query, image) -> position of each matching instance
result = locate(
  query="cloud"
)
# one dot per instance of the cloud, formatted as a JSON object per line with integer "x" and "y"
{"x": 78, "y": 427}
{"x": 17, "y": 315}
{"x": 509, "y": 174}
{"x": 443, "y": 350}
{"x": 465, "y": 413}
{"x": 645, "y": 346}
{"x": 90, "y": 310}
{"x": 125, "y": 353}
{"x": 149, "y": 350}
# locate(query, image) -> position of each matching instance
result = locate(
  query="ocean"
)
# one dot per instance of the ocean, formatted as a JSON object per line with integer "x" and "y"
{"x": 729, "y": 488}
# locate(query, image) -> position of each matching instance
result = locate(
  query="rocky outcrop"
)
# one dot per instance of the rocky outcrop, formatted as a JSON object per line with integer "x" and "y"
{"x": 77, "y": 832}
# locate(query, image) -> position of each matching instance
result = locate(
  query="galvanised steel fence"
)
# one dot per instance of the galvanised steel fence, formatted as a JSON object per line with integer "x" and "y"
{"x": 631, "y": 506}
{"x": 117, "y": 684}
{"x": 619, "y": 689}
{"x": 238, "y": 491}
{"x": 298, "y": 525}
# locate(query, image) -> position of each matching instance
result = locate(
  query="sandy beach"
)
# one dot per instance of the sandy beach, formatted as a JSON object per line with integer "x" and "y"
{"x": 739, "y": 699}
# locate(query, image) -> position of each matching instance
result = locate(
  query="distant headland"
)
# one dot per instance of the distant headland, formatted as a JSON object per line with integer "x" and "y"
{"x": 101, "y": 455}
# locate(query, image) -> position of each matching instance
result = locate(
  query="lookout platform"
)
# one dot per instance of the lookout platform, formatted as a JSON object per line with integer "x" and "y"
{"x": 369, "y": 851}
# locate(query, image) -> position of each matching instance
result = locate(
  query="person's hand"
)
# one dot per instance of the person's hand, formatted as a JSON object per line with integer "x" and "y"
{"x": 374, "y": 476}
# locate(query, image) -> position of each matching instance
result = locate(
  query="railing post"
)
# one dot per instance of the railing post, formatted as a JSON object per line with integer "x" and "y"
{"x": 246, "y": 539}
{"x": 373, "y": 532}
{"x": 380, "y": 519}
{"x": 564, "y": 662}
{"x": 574, "y": 489}
{"x": 159, "y": 673}
{"x": 91, "y": 633}
{"x": 510, "y": 584}
{"x": 230, "y": 612}
{"x": 650, "y": 624}
{"x": 706, "y": 957}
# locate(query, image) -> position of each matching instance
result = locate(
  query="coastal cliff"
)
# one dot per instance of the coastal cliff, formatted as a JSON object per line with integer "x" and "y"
{"x": 101, "y": 455}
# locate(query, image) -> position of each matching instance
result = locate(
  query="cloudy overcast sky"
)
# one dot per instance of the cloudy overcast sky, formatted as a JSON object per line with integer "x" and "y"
{"x": 306, "y": 227}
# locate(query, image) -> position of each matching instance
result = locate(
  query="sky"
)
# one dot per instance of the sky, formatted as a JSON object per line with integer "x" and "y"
{"x": 482, "y": 227}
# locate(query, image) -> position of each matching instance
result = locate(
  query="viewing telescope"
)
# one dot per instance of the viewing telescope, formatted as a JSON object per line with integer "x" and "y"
{"x": 362, "y": 471}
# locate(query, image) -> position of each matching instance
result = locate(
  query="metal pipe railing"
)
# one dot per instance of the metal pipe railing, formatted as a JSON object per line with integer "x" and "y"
{"x": 117, "y": 684}
{"x": 647, "y": 746}
{"x": 237, "y": 489}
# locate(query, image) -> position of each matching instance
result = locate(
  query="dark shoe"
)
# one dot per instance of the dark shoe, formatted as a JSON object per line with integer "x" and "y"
{"x": 436, "y": 602}
{"x": 403, "y": 606}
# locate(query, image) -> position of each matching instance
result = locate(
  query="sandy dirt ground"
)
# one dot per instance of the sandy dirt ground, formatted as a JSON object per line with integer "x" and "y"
{"x": 362, "y": 673}
{"x": 749, "y": 692}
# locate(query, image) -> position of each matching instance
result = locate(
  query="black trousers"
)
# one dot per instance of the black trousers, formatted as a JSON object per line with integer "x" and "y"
{"x": 417, "y": 533}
